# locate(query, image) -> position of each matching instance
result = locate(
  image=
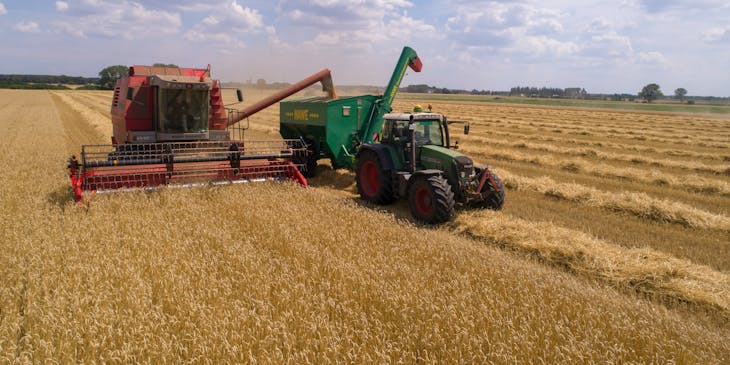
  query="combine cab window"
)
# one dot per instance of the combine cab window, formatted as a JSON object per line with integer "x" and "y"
{"x": 428, "y": 132}
{"x": 183, "y": 111}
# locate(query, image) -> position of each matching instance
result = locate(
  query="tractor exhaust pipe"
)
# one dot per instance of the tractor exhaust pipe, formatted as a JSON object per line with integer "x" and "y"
{"x": 412, "y": 141}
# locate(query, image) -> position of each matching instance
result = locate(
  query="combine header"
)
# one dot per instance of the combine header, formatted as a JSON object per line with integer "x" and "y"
{"x": 171, "y": 128}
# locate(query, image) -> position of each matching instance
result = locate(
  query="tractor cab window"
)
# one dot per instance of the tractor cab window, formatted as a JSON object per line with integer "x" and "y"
{"x": 183, "y": 111}
{"x": 395, "y": 131}
{"x": 428, "y": 132}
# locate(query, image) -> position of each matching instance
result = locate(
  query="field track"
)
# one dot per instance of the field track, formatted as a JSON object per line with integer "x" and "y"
{"x": 614, "y": 245}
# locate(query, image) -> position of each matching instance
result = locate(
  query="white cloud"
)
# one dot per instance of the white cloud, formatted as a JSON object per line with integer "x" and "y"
{"x": 27, "y": 27}
{"x": 348, "y": 18}
{"x": 2, "y": 9}
{"x": 658, "y": 6}
{"x": 61, "y": 5}
{"x": 509, "y": 28}
{"x": 354, "y": 25}
{"x": 226, "y": 24}
{"x": 651, "y": 58}
{"x": 714, "y": 35}
{"x": 126, "y": 19}
{"x": 540, "y": 46}
{"x": 405, "y": 27}
{"x": 339, "y": 14}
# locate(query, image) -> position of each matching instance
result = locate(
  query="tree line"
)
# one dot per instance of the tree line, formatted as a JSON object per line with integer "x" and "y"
{"x": 49, "y": 79}
{"x": 108, "y": 76}
{"x": 106, "y": 80}
{"x": 548, "y": 92}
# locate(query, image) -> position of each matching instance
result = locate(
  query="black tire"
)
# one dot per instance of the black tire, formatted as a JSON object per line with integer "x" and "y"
{"x": 310, "y": 167}
{"x": 307, "y": 159}
{"x": 374, "y": 184}
{"x": 493, "y": 195}
{"x": 431, "y": 199}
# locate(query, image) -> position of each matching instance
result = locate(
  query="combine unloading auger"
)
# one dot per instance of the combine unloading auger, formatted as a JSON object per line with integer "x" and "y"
{"x": 171, "y": 129}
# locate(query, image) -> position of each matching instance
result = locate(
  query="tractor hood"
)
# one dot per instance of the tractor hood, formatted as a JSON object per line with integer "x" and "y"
{"x": 442, "y": 158}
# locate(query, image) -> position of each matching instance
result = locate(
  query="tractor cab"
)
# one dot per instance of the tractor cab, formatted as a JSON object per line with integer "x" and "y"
{"x": 428, "y": 128}
{"x": 421, "y": 130}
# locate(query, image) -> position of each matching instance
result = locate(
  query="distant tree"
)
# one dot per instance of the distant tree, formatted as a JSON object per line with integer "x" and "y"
{"x": 650, "y": 92}
{"x": 680, "y": 93}
{"x": 165, "y": 65}
{"x": 261, "y": 83}
{"x": 109, "y": 76}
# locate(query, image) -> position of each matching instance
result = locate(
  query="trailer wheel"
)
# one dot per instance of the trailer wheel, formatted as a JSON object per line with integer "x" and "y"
{"x": 308, "y": 159}
{"x": 310, "y": 166}
{"x": 493, "y": 195}
{"x": 373, "y": 183}
{"x": 431, "y": 199}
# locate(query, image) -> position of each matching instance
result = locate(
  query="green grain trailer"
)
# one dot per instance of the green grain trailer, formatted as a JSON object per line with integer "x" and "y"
{"x": 331, "y": 128}
{"x": 335, "y": 128}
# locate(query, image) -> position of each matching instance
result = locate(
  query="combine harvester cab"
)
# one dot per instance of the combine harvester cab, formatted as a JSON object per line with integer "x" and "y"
{"x": 170, "y": 127}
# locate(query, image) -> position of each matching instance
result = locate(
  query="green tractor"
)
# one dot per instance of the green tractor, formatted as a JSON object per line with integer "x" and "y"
{"x": 393, "y": 154}
{"x": 415, "y": 159}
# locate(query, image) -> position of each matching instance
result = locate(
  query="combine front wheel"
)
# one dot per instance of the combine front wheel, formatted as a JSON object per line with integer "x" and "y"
{"x": 431, "y": 199}
{"x": 373, "y": 183}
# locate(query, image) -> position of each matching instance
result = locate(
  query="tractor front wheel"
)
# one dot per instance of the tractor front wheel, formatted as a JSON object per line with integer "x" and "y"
{"x": 431, "y": 199}
{"x": 373, "y": 182}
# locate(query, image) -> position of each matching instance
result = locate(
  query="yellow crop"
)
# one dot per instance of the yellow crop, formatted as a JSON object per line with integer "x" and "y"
{"x": 274, "y": 273}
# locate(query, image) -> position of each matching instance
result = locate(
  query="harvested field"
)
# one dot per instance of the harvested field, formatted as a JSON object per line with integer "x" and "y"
{"x": 618, "y": 255}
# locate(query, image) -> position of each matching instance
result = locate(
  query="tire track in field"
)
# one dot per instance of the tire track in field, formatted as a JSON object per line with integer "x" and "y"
{"x": 546, "y": 118}
{"x": 646, "y": 271}
{"x": 614, "y": 136}
{"x": 77, "y": 129}
{"x": 637, "y": 204}
{"x": 715, "y": 169}
{"x": 692, "y": 183}
{"x": 601, "y": 130}
{"x": 522, "y": 136}
{"x": 657, "y": 275}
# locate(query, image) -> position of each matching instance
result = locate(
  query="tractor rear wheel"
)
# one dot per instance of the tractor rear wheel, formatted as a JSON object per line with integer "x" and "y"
{"x": 373, "y": 182}
{"x": 493, "y": 196}
{"x": 431, "y": 199}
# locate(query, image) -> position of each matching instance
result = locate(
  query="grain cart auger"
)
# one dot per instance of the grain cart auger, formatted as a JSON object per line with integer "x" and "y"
{"x": 170, "y": 127}
{"x": 394, "y": 155}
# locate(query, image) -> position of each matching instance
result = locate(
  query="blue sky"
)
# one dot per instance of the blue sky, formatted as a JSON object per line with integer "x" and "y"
{"x": 604, "y": 46}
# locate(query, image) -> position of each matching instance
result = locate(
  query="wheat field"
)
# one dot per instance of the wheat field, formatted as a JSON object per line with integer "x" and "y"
{"x": 613, "y": 247}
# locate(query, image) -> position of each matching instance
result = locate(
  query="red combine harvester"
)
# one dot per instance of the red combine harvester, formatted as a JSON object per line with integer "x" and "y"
{"x": 172, "y": 128}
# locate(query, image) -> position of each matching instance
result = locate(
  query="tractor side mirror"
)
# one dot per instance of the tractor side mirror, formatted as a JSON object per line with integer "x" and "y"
{"x": 466, "y": 128}
{"x": 239, "y": 94}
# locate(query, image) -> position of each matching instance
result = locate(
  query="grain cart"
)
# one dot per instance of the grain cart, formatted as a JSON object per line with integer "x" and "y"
{"x": 334, "y": 128}
{"x": 170, "y": 127}
{"x": 393, "y": 154}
